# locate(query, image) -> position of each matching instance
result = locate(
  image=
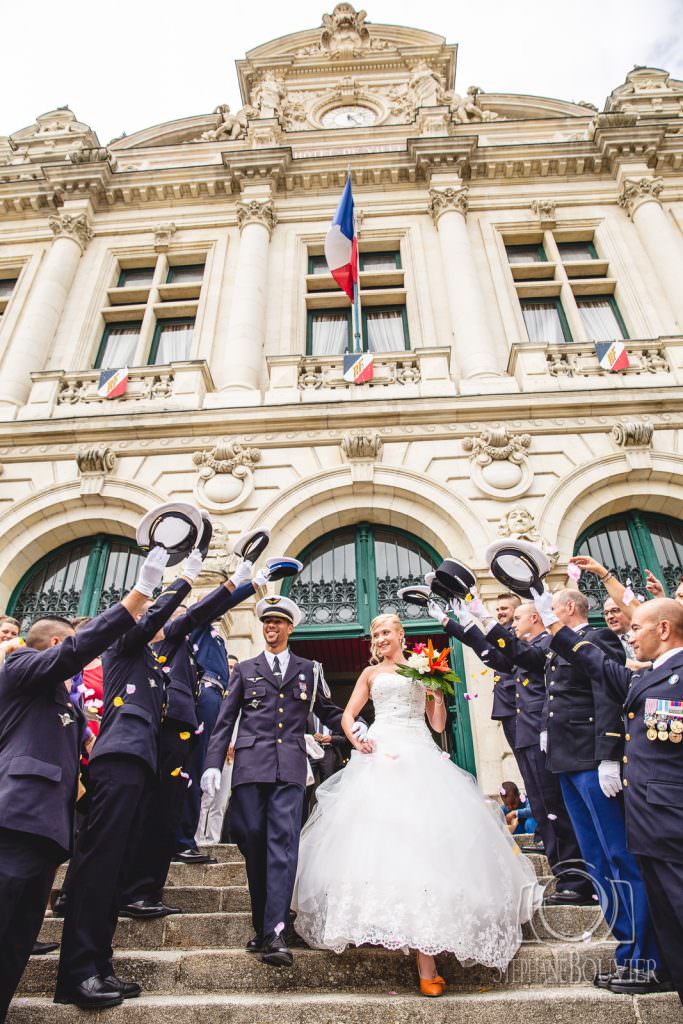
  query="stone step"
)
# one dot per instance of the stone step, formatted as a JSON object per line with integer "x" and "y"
{"x": 232, "y": 930}
{"x": 229, "y": 873}
{"x": 560, "y": 1005}
{"x": 187, "y": 972}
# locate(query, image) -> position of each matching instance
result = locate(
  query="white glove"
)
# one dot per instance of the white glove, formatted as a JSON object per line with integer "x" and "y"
{"x": 193, "y": 565}
{"x": 360, "y": 731}
{"x": 210, "y": 782}
{"x": 261, "y": 578}
{"x": 609, "y": 777}
{"x": 462, "y": 613}
{"x": 435, "y": 611}
{"x": 152, "y": 571}
{"x": 242, "y": 574}
{"x": 544, "y": 607}
{"x": 543, "y": 741}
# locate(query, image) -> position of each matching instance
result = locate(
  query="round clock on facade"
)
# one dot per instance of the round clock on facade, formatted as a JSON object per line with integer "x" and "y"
{"x": 348, "y": 117}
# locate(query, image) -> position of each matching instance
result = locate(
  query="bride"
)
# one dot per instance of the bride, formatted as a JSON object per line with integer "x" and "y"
{"x": 402, "y": 850}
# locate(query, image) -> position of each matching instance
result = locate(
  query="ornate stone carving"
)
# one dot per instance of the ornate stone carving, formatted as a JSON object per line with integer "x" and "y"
{"x": 632, "y": 434}
{"x": 499, "y": 462}
{"x": 268, "y": 94}
{"x": 636, "y": 191}
{"x": 254, "y": 212}
{"x": 648, "y": 91}
{"x": 496, "y": 446}
{"x": 361, "y": 444}
{"x": 225, "y": 477}
{"x": 328, "y": 372}
{"x": 141, "y": 387}
{"x": 163, "y": 233}
{"x": 229, "y": 127}
{"x": 92, "y": 154}
{"x": 583, "y": 362}
{"x": 520, "y": 524}
{"x": 426, "y": 86}
{"x": 545, "y": 211}
{"x": 95, "y": 460}
{"x": 466, "y": 110}
{"x": 93, "y": 466}
{"x": 446, "y": 200}
{"x": 66, "y": 225}
{"x": 344, "y": 31}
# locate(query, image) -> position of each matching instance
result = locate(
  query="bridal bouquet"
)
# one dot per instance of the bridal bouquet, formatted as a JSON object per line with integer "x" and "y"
{"x": 430, "y": 668}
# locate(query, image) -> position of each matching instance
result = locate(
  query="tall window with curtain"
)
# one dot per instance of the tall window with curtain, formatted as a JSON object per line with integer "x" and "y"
{"x": 544, "y": 321}
{"x": 601, "y": 318}
{"x": 172, "y": 341}
{"x": 385, "y": 330}
{"x": 118, "y": 346}
{"x": 329, "y": 332}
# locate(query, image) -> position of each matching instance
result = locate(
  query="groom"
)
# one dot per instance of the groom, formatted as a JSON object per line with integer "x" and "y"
{"x": 273, "y": 694}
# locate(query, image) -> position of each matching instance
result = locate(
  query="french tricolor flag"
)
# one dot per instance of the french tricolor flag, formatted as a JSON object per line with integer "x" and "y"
{"x": 341, "y": 245}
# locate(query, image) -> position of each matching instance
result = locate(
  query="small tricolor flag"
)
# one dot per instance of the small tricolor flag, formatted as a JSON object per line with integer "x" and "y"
{"x": 341, "y": 245}
{"x": 113, "y": 383}
{"x": 612, "y": 355}
{"x": 358, "y": 368}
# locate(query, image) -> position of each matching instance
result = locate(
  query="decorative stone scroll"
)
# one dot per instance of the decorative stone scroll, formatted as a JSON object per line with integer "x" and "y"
{"x": 633, "y": 434}
{"x": 361, "y": 444}
{"x": 94, "y": 464}
{"x": 225, "y": 478}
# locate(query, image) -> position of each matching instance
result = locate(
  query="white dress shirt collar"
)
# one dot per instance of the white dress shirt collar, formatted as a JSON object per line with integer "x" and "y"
{"x": 283, "y": 660}
{"x": 665, "y": 657}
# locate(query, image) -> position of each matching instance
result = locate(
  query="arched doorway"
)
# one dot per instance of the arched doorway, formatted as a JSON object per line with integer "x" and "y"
{"x": 350, "y": 576}
{"x": 80, "y": 578}
{"x": 629, "y": 544}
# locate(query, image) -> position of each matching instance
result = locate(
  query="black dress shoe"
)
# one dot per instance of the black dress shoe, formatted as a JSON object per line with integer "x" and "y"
{"x": 59, "y": 905}
{"x": 569, "y": 898}
{"x": 254, "y": 945}
{"x": 128, "y": 989}
{"x": 193, "y": 857}
{"x": 275, "y": 953}
{"x": 639, "y": 983}
{"x": 534, "y": 848}
{"x": 41, "y": 948}
{"x": 147, "y": 909}
{"x": 91, "y": 994}
{"x": 603, "y": 978}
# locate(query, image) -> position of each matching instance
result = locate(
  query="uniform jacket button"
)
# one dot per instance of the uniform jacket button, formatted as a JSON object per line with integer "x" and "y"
{"x": 627, "y": 737}
{"x": 631, "y": 714}
{"x": 279, "y": 741}
{"x": 625, "y": 759}
{"x": 626, "y": 782}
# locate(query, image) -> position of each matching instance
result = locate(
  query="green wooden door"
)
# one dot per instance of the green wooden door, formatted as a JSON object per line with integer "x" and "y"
{"x": 629, "y": 544}
{"x": 352, "y": 575}
{"x": 81, "y": 578}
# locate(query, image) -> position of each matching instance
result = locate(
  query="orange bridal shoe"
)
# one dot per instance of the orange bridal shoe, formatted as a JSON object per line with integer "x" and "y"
{"x": 432, "y": 986}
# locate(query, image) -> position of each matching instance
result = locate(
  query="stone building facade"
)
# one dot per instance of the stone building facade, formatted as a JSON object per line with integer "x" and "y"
{"x": 500, "y": 236}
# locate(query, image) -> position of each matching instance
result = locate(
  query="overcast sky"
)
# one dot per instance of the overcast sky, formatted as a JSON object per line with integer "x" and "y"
{"x": 135, "y": 63}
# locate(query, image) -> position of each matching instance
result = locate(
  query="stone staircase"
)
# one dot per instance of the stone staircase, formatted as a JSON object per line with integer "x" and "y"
{"x": 194, "y": 970}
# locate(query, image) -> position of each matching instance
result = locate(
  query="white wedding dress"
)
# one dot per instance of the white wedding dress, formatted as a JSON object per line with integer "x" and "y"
{"x": 403, "y": 851}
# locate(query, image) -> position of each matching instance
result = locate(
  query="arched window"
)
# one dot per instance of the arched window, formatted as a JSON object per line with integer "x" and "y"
{"x": 349, "y": 577}
{"x": 81, "y": 578}
{"x": 628, "y": 544}
{"x": 353, "y": 574}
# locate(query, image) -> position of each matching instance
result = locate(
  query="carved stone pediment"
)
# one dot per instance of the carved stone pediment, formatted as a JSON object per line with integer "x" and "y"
{"x": 647, "y": 91}
{"x": 55, "y": 134}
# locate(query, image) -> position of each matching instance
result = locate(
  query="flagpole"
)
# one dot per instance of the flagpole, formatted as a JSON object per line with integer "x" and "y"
{"x": 357, "y": 336}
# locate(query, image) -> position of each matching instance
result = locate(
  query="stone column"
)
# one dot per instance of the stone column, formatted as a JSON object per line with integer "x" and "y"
{"x": 244, "y": 344}
{"x": 639, "y": 196}
{"x": 474, "y": 346}
{"x": 32, "y": 342}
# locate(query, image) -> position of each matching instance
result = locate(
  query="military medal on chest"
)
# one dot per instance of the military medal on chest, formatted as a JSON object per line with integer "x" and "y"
{"x": 664, "y": 719}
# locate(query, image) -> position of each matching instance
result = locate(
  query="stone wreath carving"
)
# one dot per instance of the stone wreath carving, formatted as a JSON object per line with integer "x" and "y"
{"x": 499, "y": 463}
{"x": 225, "y": 478}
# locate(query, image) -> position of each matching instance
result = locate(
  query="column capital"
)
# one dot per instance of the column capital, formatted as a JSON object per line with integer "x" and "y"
{"x": 636, "y": 191}
{"x": 448, "y": 200}
{"x": 73, "y": 226}
{"x": 254, "y": 211}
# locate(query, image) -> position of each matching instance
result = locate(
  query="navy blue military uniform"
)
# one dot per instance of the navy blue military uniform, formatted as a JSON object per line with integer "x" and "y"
{"x": 157, "y": 845}
{"x": 585, "y": 727}
{"x": 40, "y": 744}
{"x": 269, "y": 775}
{"x": 122, "y": 770}
{"x": 503, "y": 709}
{"x": 542, "y": 786}
{"x": 653, "y": 779}
{"x": 212, "y": 663}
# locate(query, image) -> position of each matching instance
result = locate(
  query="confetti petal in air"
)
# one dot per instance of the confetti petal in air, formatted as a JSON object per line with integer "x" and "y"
{"x": 501, "y": 642}
{"x": 471, "y": 696}
{"x": 130, "y": 689}
{"x": 176, "y": 772}
{"x": 161, "y": 659}
{"x": 496, "y": 679}
{"x": 628, "y": 595}
{"x": 184, "y": 735}
{"x": 87, "y": 692}
{"x": 525, "y": 682}
{"x": 573, "y": 572}
{"x": 551, "y": 817}
{"x": 118, "y": 701}
{"x": 279, "y": 928}
{"x": 445, "y": 755}
{"x": 199, "y": 730}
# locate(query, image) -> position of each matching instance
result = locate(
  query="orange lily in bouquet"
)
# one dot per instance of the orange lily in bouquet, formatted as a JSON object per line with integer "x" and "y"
{"x": 429, "y": 668}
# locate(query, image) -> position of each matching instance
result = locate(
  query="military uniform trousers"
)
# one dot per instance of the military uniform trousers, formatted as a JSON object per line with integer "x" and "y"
{"x": 553, "y": 824}
{"x": 265, "y": 819}
{"x": 601, "y": 831}
{"x": 119, "y": 788}
{"x": 208, "y": 706}
{"x": 149, "y": 869}
{"x": 27, "y": 870}
{"x": 664, "y": 885}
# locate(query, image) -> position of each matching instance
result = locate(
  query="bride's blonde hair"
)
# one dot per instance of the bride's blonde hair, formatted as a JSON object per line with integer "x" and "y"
{"x": 382, "y": 620}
